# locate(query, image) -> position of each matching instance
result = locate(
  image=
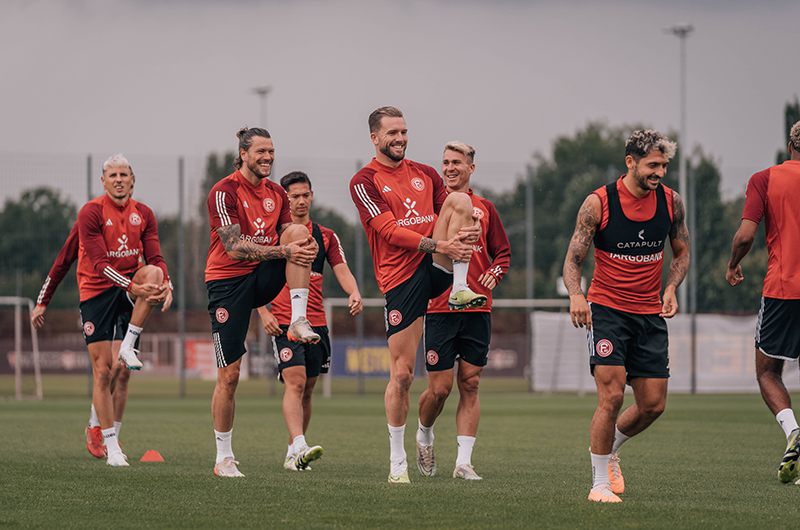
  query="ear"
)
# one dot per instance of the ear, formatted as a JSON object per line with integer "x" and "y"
{"x": 133, "y": 179}
{"x": 374, "y": 138}
{"x": 630, "y": 162}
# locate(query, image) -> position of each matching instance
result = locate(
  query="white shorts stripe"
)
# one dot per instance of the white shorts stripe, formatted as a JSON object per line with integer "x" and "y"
{"x": 218, "y": 351}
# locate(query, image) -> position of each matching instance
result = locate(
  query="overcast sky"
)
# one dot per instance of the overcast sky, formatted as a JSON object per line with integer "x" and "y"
{"x": 149, "y": 77}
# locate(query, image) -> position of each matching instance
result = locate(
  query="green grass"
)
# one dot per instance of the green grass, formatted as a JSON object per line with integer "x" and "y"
{"x": 709, "y": 462}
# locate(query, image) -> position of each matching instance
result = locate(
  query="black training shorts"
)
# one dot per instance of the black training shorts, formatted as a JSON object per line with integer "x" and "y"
{"x": 231, "y": 301}
{"x": 640, "y": 343}
{"x": 315, "y": 357}
{"x": 409, "y": 300}
{"x": 106, "y": 315}
{"x": 456, "y": 335}
{"x": 778, "y": 329}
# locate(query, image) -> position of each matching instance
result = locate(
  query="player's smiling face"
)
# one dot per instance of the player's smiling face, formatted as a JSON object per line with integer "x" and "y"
{"x": 392, "y": 138}
{"x": 300, "y": 196}
{"x": 117, "y": 183}
{"x": 456, "y": 170}
{"x": 258, "y": 159}
{"x": 648, "y": 172}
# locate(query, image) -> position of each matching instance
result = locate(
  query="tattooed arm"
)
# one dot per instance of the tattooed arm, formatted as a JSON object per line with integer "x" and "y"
{"x": 679, "y": 239}
{"x": 454, "y": 249}
{"x": 585, "y": 229}
{"x": 241, "y": 250}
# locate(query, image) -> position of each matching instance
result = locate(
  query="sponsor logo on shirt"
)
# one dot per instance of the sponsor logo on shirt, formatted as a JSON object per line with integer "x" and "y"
{"x": 409, "y": 204}
{"x": 649, "y": 258}
{"x": 638, "y": 244}
{"x": 123, "y": 251}
{"x": 261, "y": 240}
{"x": 259, "y": 227}
{"x": 415, "y": 220}
{"x": 477, "y": 248}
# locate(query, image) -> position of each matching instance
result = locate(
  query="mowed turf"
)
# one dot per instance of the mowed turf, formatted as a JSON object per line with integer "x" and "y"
{"x": 709, "y": 462}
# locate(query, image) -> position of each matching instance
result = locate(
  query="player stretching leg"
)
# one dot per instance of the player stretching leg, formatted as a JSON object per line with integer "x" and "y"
{"x": 628, "y": 220}
{"x": 246, "y": 270}
{"x": 300, "y": 364}
{"x": 461, "y": 336}
{"x": 113, "y": 230}
{"x": 120, "y": 377}
{"x": 772, "y": 195}
{"x": 413, "y": 252}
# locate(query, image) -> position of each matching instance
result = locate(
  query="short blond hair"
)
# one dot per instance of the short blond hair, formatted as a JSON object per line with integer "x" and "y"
{"x": 116, "y": 161}
{"x": 460, "y": 147}
{"x": 794, "y": 136}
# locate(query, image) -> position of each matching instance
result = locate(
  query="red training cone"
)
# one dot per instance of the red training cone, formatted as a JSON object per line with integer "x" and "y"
{"x": 152, "y": 456}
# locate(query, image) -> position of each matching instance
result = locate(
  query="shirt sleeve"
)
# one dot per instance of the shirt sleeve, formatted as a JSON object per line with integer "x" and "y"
{"x": 222, "y": 203}
{"x": 90, "y": 231}
{"x": 66, "y": 257}
{"x": 497, "y": 245}
{"x": 366, "y": 197}
{"x": 334, "y": 252}
{"x": 150, "y": 243}
{"x": 755, "y": 200}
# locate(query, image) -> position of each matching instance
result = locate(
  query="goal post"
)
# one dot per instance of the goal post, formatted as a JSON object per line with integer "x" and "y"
{"x": 18, "y": 302}
{"x": 521, "y": 303}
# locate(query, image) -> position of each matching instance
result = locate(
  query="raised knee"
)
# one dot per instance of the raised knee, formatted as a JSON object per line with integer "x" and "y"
{"x": 403, "y": 380}
{"x": 460, "y": 202}
{"x": 294, "y": 232}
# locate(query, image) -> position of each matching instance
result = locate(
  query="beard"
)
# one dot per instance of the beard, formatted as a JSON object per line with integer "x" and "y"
{"x": 258, "y": 171}
{"x": 387, "y": 150}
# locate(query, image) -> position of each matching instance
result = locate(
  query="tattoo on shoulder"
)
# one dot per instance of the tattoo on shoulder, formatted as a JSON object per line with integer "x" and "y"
{"x": 678, "y": 229}
{"x": 427, "y": 245}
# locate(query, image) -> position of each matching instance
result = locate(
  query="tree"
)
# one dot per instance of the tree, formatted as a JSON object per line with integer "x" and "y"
{"x": 34, "y": 230}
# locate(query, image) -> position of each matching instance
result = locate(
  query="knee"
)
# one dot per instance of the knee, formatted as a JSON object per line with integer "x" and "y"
{"x": 612, "y": 401}
{"x": 653, "y": 411}
{"x": 102, "y": 376}
{"x": 294, "y": 232}
{"x": 469, "y": 387}
{"x": 227, "y": 381}
{"x": 150, "y": 274}
{"x": 403, "y": 379}
{"x": 440, "y": 394}
{"x": 459, "y": 202}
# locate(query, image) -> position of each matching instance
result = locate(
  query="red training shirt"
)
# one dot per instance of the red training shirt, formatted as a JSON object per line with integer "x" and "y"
{"x": 398, "y": 207}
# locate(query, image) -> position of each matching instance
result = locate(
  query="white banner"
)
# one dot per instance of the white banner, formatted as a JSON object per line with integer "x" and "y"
{"x": 725, "y": 355}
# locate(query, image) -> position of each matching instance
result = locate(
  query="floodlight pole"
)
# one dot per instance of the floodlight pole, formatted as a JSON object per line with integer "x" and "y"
{"x": 262, "y": 92}
{"x": 682, "y": 31}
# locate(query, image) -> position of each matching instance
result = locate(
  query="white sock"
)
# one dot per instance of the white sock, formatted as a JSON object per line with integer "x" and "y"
{"x": 619, "y": 439}
{"x": 396, "y": 438}
{"x": 600, "y": 469}
{"x": 460, "y": 269}
{"x": 111, "y": 442}
{"x": 117, "y": 427}
{"x": 425, "y": 434}
{"x": 93, "y": 421}
{"x": 299, "y": 302}
{"x": 223, "y": 445}
{"x": 787, "y": 421}
{"x": 289, "y": 451}
{"x": 130, "y": 337}
{"x": 465, "y": 445}
{"x": 299, "y": 443}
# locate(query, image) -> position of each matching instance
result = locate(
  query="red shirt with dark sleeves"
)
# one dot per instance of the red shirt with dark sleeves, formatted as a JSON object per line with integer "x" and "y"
{"x": 258, "y": 210}
{"x": 112, "y": 238}
{"x": 398, "y": 207}
{"x": 772, "y": 195}
{"x": 64, "y": 260}
{"x": 490, "y": 255}
{"x": 332, "y": 251}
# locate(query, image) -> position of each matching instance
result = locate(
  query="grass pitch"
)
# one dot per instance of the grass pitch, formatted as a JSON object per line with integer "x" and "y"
{"x": 709, "y": 462}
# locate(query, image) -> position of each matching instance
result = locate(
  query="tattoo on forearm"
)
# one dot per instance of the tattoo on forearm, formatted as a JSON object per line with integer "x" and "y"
{"x": 585, "y": 229}
{"x": 427, "y": 245}
{"x": 678, "y": 234}
{"x": 245, "y": 250}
